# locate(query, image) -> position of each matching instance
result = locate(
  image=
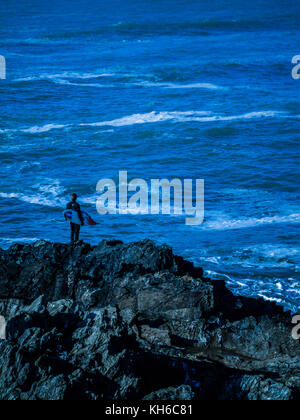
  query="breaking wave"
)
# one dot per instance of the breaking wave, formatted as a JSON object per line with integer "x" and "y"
{"x": 197, "y": 116}
{"x": 229, "y": 224}
{"x": 48, "y": 195}
{"x": 157, "y": 117}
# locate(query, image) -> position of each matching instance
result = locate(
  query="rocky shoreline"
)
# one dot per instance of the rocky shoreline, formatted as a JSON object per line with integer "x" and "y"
{"x": 134, "y": 321}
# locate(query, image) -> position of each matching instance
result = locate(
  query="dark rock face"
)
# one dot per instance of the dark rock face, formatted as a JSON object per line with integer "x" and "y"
{"x": 135, "y": 322}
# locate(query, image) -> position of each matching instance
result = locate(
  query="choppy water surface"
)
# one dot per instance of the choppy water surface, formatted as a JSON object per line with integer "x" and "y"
{"x": 162, "y": 89}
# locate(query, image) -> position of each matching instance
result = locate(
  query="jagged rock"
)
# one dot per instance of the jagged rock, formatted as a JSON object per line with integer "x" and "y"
{"x": 264, "y": 389}
{"x": 183, "y": 393}
{"x": 135, "y": 321}
{"x": 2, "y": 328}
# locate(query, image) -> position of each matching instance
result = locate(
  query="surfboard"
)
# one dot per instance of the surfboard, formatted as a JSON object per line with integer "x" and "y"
{"x": 72, "y": 216}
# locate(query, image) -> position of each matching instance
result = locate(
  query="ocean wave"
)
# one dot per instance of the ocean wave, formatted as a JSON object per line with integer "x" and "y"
{"x": 54, "y": 188}
{"x": 51, "y": 193}
{"x": 94, "y": 85}
{"x": 43, "y": 129}
{"x": 272, "y": 251}
{"x": 167, "y": 85}
{"x": 197, "y": 116}
{"x": 10, "y": 241}
{"x": 64, "y": 75}
{"x": 151, "y": 117}
{"x": 270, "y": 288}
{"x": 31, "y": 199}
{"x": 157, "y": 117}
{"x": 48, "y": 195}
{"x": 73, "y": 79}
{"x": 208, "y": 86}
{"x": 270, "y": 298}
{"x": 256, "y": 258}
{"x": 230, "y": 224}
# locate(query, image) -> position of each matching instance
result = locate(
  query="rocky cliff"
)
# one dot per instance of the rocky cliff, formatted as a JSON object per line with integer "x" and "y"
{"x": 135, "y": 322}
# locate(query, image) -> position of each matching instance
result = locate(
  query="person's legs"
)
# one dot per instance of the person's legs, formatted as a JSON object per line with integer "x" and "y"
{"x": 73, "y": 227}
{"x": 77, "y": 232}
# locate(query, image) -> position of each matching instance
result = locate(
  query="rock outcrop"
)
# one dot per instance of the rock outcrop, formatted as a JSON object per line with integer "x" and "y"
{"x": 135, "y": 322}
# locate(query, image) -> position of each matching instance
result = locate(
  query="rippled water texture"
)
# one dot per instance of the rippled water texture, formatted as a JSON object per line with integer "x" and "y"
{"x": 161, "y": 89}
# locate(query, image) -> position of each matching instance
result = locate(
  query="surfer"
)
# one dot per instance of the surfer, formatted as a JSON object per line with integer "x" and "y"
{"x": 75, "y": 229}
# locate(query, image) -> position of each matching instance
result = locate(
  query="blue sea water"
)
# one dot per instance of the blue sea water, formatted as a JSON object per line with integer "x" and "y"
{"x": 160, "y": 88}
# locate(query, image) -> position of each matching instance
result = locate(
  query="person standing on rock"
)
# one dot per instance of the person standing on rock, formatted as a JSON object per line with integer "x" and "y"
{"x": 75, "y": 229}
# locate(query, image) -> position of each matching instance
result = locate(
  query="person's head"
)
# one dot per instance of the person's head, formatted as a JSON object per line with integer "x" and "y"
{"x": 73, "y": 197}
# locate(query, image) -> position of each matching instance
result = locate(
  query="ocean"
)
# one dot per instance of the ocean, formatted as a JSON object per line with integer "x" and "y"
{"x": 161, "y": 89}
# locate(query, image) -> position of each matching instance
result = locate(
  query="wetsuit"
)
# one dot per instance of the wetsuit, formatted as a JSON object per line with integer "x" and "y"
{"x": 75, "y": 229}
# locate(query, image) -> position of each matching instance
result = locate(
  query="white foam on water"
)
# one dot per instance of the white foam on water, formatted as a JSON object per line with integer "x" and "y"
{"x": 241, "y": 284}
{"x": 8, "y": 130}
{"x": 158, "y": 117}
{"x": 54, "y": 188}
{"x": 151, "y": 117}
{"x": 64, "y": 75}
{"x": 228, "y": 224}
{"x": 167, "y": 85}
{"x": 48, "y": 195}
{"x": 177, "y": 116}
{"x": 67, "y": 82}
{"x": 268, "y": 252}
{"x": 274, "y": 251}
{"x": 33, "y": 199}
{"x": 297, "y": 291}
{"x": 43, "y": 129}
{"x": 272, "y": 289}
{"x": 271, "y": 299}
{"x": 62, "y": 78}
